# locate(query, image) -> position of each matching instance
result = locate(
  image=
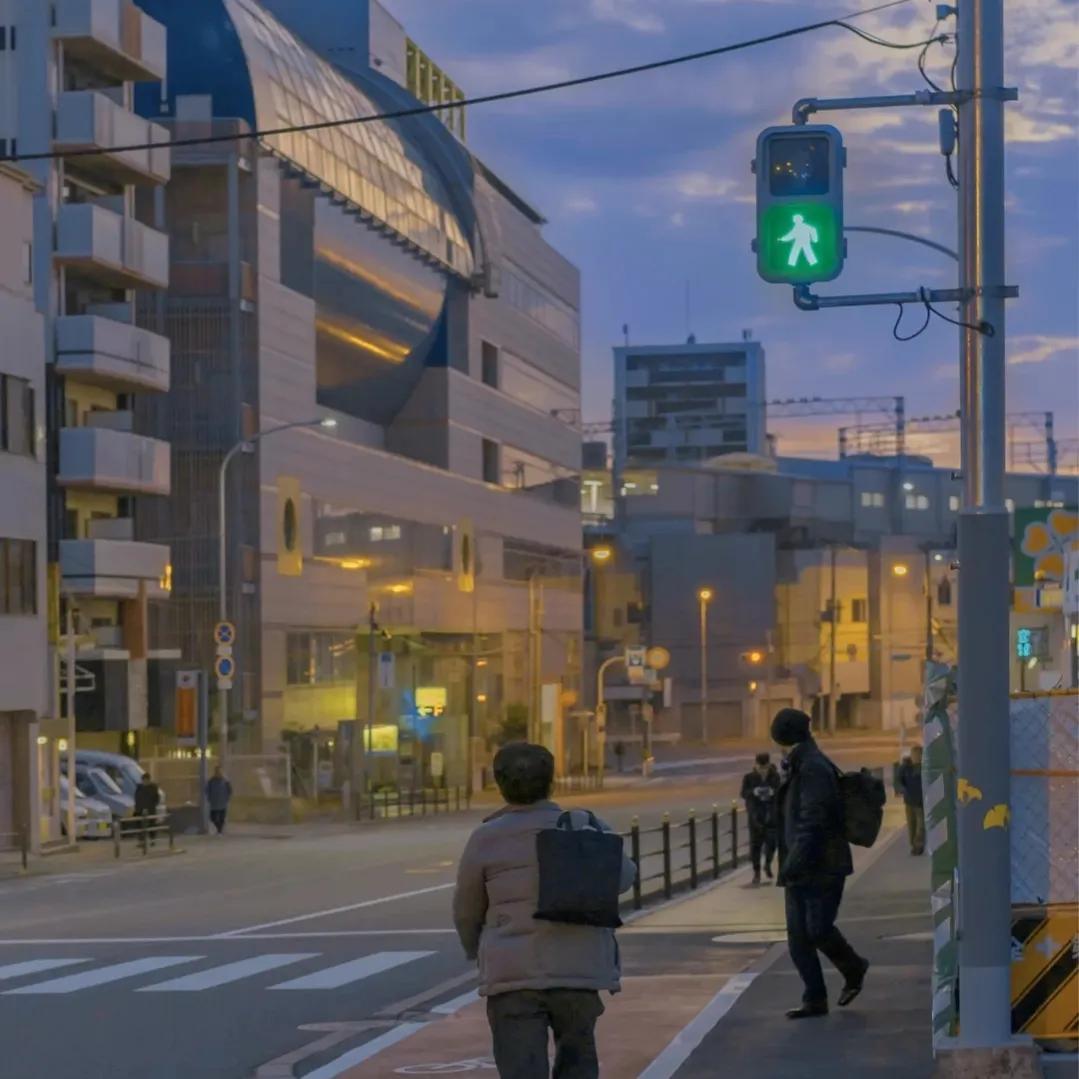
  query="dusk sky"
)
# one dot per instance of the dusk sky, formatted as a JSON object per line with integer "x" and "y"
{"x": 647, "y": 186}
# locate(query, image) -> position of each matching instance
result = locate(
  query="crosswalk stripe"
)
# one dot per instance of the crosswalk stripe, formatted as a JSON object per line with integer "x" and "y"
{"x": 71, "y": 983}
{"x": 353, "y": 971}
{"x": 35, "y": 966}
{"x": 229, "y": 972}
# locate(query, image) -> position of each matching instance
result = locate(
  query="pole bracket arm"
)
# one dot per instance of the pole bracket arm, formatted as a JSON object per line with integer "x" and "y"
{"x": 806, "y": 106}
{"x": 807, "y": 300}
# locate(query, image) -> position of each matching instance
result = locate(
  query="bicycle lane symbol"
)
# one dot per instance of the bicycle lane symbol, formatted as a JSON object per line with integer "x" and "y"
{"x": 456, "y": 1067}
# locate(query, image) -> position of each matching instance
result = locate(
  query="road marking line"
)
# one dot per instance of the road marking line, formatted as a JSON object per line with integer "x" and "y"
{"x": 684, "y": 1043}
{"x": 71, "y": 983}
{"x": 16, "y": 941}
{"x": 228, "y": 972}
{"x": 35, "y": 966}
{"x": 451, "y": 1007}
{"x": 365, "y": 1051}
{"x": 338, "y": 910}
{"x": 352, "y": 971}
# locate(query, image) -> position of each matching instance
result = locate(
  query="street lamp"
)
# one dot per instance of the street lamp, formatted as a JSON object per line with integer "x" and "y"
{"x": 602, "y": 554}
{"x": 704, "y": 597}
{"x": 244, "y": 445}
{"x": 900, "y": 569}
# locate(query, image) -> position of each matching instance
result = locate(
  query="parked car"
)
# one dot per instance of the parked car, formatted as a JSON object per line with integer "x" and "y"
{"x": 97, "y": 783}
{"x": 93, "y": 818}
{"x": 124, "y": 771}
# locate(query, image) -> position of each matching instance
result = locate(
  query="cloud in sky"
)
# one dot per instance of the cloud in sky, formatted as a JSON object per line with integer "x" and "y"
{"x": 664, "y": 157}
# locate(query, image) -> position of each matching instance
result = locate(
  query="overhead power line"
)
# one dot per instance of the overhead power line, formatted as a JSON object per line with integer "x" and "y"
{"x": 486, "y": 99}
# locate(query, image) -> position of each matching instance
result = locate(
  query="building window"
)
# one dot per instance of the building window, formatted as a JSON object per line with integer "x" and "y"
{"x": 953, "y": 503}
{"x": 320, "y": 659}
{"x": 489, "y": 373}
{"x": 16, "y": 415}
{"x": 859, "y": 610}
{"x": 872, "y": 499}
{"x": 18, "y": 576}
{"x": 1009, "y": 505}
{"x": 492, "y": 471}
{"x": 917, "y": 502}
{"x": 381, "y": 533}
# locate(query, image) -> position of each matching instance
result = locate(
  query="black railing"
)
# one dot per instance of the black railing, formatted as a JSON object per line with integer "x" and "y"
{"x": 390, "y": 804}
{"x": 686, "y": 857}
{"x": 144, "y": 829}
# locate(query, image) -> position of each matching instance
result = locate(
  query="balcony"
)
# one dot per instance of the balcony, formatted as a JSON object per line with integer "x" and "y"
{"x": 114, "y": 568}
{"x": 115, "y": 355}
{"x": 116, "y": 249}
{"x": 97, "y": 458}
{"x": 91, "y": 120}
{"x": 114, "y": 37}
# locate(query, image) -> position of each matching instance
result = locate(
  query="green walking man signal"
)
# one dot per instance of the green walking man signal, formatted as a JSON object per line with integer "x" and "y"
{"x": 800, "y": 204}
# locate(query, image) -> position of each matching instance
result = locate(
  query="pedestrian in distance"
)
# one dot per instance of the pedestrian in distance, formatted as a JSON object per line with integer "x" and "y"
{"x": 759, "y": 794}
{"x": 814, "y": 862}
{"x": 620, "y": 754}
{"x": 538, "y": 976}
{"x": 910, "y": 787}
{"x": 218, "y": 795}
{"x": 147, "y": 802}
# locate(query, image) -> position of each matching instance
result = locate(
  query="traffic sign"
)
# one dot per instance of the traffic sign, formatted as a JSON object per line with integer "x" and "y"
{"x": 187, "y": 721}
{"x": 224, "y": 668}
{"x": 800, "y": 203}
{"x": 386, "y": 670}
{"x": 224, "y": 633}
{"x": 636, "y": 656}
{"x": 658, "y": 657}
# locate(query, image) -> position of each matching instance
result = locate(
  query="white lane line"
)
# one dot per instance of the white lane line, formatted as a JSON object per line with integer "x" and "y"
{"x": 337, "y": 910}
{"x": 365, "y": 1051}
{"x": 228, "y": 972}
{"x": 684, "y": 1043}
{"x": 35, "y": 966}
{"x": 452, "y": 1007}
{"x": 53, "y": 941}
{"x": 72, "y": 983}
{"x": 353, "y": 971}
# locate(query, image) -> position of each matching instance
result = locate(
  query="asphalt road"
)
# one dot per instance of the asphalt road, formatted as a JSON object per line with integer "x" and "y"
{"x": 209, "y": 963}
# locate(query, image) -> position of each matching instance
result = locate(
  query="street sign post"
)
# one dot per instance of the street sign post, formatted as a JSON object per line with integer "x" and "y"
{"x": 224, "y": 668}
{"x": 800, "y": 204}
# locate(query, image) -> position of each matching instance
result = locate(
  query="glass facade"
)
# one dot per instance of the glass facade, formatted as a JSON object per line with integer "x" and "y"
{"x": 369, "y": 164}
{"x": 548, "y": 311}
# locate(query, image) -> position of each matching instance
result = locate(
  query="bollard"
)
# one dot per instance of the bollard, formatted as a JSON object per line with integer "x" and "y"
{"x": 666, "y": 831}
{"x": 635, "y": 853}
{"x": 715, "y": 842}
{"x": 24, "y": 847}
{"x": 117, "y": 827}
{"x": 145, "y": 837}
{"x": 172, "y": 833}
{"x": 692, "y": 824}
{"x": 734, "y": 835}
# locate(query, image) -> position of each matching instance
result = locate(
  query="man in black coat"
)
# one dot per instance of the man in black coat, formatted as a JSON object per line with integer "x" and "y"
{"x": 759, "y": 794}
{"x": 147, "y": 801}
{"x": 909, "y": 782}
{"x": 814, "y": 862}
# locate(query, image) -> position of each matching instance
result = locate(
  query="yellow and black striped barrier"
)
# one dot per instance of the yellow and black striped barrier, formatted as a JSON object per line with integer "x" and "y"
{"x": 1045, "y": 971}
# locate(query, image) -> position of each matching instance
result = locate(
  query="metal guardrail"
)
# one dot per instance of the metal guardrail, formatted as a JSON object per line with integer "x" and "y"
{"x": 711, "y": 846}
{"x": 389, "y": 804}
{"x": 21, "y": 844}
{"x": 144, "y": 830}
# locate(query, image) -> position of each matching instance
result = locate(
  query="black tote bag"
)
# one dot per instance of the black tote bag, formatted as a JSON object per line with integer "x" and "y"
{"x": 580, "y": 874}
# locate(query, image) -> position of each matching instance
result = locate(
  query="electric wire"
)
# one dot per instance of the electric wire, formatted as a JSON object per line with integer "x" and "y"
{"x": 484, "y": 99}
{"x": 986, "y": 329}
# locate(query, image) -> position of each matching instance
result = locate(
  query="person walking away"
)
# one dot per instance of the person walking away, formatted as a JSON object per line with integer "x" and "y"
{"x": 814, "y": 862}
{"x": 759, "y": 794}
{"x": 910, "y": 786}
{"x": 218, "y": 795}
{"x": 537, "y": 976}
{"x": 147, "y": 801}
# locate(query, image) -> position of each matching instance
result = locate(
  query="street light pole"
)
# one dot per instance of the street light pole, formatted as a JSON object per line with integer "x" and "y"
{"x": 601, "y": 714}
{"x": 704, "y": 595}
{"x": 244, "y": 445}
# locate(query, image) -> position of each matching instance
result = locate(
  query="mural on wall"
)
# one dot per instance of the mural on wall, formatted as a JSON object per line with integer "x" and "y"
{"x": 1042, "y": 537}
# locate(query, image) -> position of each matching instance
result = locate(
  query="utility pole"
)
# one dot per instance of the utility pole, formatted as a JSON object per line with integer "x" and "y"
{"x": 929, "y": 605}
{"x": 69, "y": 663}
{"x": 366, "y": 741}
{"x": 984, "y": 750}
{"x": 833, "y": 618}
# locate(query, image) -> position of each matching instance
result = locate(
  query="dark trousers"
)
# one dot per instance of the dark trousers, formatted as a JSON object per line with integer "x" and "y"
{"x": 916, "y": 828}
{"x": 762, "y": 839}
{"x": 217, "y": 819}
{"x": 519, "y": 1028}
{"x": 811, "y": 928}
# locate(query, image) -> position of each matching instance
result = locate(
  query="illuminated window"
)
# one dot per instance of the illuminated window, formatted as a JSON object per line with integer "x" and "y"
{"x": 859, "y": 610}
{"x": 917, "y": 502}
{"x": 953, "y": 503}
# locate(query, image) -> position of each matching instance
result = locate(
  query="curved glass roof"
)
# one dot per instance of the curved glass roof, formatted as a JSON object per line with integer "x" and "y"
{"x": 371, "y": 165}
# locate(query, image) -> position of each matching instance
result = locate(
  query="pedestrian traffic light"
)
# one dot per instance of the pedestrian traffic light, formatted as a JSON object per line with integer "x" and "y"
{"x": 800, "y": 203}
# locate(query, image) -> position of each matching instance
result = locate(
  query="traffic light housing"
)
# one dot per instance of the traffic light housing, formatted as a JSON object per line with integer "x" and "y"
{"x": 800, "y": 204}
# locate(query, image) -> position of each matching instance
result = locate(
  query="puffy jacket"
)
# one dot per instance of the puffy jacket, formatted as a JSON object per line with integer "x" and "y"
{"x": 495, "y": 903}
{"x": 812, "y": 840}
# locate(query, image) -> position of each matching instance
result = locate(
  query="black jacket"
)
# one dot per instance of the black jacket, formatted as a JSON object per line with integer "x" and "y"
{"x": 147, "y": 798}
{"x": 812, "y": 842}
{"x": 909, "y": 782}
{"x": 759, "y": 794}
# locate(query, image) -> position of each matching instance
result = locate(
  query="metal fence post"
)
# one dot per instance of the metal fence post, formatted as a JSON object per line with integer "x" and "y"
{"x": 117, "y": 828}
{"x": 411, "y": 802}
{"x": 692, "y": 825}
{"x": 145, "y": 833}
{"x": 734, "y": 835}
{"x": 715, "y": 842}
{"x": 666, "y": 832}
{"x": 423, "y": 801}
{"x": 635, "y": 853}
{"x": 24, "y": 847}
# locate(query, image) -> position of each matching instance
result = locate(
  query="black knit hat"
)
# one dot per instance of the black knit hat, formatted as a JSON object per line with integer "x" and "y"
{"x": 790, "y": 727}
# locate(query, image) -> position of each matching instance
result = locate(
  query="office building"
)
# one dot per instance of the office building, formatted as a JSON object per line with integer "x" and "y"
{"x": 377, "y": 314}
{"x": 683, "y": 404}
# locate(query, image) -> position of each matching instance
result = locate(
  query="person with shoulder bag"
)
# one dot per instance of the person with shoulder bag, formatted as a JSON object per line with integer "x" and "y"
{"x": 541, "y": 926}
